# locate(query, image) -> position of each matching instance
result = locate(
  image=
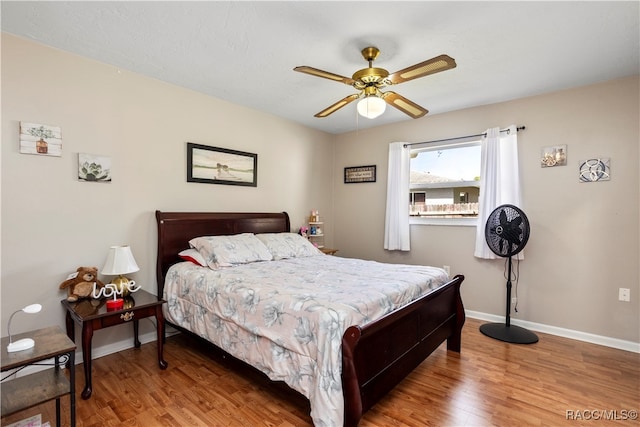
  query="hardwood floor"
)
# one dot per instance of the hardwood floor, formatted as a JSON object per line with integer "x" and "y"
{"x": 554, "y": 382}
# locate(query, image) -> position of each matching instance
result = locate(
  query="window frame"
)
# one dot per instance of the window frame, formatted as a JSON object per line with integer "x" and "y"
{"x": 432, "y": 146}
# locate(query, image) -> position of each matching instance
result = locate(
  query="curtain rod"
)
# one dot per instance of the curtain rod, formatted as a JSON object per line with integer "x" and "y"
{"x": 519, "y": 128}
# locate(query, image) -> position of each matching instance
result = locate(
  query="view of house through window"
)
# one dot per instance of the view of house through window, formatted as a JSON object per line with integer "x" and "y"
{"x": 445, "y": 181}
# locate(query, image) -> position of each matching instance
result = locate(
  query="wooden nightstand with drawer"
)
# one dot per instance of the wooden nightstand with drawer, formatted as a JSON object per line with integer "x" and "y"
{"x": 93, "y": 315}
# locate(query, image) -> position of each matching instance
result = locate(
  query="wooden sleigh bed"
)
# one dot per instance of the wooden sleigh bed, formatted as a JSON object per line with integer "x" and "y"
{"x": 375, "y": 357}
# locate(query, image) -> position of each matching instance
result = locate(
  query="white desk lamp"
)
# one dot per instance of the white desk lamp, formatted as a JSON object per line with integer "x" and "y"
{"x": 25, "y": 343}
{"x": 119, "y": 262}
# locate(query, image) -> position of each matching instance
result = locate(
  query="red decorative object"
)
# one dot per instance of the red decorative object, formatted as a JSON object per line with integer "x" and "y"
{"x": 115, "y": 304}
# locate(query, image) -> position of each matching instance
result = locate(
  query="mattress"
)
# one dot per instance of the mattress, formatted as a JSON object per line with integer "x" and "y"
{"x": 287, "y": 317}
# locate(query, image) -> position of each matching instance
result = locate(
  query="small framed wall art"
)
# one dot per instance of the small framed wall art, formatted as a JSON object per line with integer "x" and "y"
{"x": 358, "y": 174}
{"x": 555, "y": 155}
{"x": 92, "y": 168}
{"x": 40, "y": 139}
{"x": 213, "y": 165}
{"x": 595, "y": 170}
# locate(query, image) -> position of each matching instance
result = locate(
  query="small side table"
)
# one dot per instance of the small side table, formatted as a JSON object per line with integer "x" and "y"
{"x": 27, "y": 391}
{"x": 93, "y": 315}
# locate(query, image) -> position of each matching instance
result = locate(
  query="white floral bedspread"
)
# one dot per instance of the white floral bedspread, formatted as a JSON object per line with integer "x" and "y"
{"x": 287, "y": 317}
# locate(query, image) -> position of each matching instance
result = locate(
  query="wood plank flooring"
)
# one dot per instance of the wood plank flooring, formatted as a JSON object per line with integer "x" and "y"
{"x": 554, "y": 382}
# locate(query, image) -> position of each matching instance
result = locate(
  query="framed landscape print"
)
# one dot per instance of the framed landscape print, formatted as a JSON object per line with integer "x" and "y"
{"x": 214, "y": 165}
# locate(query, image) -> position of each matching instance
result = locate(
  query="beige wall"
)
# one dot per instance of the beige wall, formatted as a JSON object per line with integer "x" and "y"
{"x": 584, "y": 236}
{"x": 52, "y": 223}
{"x": 584, "y": 241}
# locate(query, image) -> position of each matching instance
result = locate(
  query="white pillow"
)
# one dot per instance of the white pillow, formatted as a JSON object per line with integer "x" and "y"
{"x": 193, "y": 256}
{"x": 226, "y": 251}
{"x": 288, "y": 245}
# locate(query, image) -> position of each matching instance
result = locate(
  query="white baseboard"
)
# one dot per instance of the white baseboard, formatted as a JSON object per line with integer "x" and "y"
{"x": 552, "y": 330}
{"x": 539, "y": 327}
{"x": 125, "y": 344}
{"x": 96, "y": 353}
{"x": 561, "y": 332}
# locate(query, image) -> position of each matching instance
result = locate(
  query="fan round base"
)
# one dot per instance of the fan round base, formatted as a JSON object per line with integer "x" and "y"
{"x": 512, "y": 334}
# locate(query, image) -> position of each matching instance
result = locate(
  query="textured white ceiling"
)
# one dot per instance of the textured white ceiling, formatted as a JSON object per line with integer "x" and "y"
{"x": 245, "y": 52}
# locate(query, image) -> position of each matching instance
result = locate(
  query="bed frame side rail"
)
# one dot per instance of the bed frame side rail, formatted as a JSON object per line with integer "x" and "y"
{"x": 378, "y": 356}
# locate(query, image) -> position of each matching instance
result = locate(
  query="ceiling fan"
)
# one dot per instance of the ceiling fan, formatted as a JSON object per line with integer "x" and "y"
{"x": 369, "y": 81}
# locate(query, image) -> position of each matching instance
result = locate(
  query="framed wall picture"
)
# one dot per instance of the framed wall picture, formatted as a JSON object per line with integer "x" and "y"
{"x": 214, "y": 165}
{"x": 555, "y": 155}
{"x": 358, "y": 174}
{"x": 595, "y": 170}
{"x": 93, "y": 168}
{"x": 40, "y": 139}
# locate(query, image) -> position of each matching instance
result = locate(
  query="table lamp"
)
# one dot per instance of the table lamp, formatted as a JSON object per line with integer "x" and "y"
{"x": 24, "y": 343}
{"x": 119, "y": 262}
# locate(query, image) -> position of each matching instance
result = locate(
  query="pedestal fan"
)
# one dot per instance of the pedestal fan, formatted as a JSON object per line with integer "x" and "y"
{"x": 507, "y": 233}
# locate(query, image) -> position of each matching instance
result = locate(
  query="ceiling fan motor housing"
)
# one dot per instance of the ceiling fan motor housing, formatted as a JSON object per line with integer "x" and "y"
{"x": 370, "y": 75}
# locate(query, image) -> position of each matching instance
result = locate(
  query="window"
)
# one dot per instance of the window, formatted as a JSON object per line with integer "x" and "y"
{"x": 445, "y": 180}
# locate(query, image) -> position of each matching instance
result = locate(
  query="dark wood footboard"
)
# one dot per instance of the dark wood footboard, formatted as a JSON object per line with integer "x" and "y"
{"x": 378, "y": 356}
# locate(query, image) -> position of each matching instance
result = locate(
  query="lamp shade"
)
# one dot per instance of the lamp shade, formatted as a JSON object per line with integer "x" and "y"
{"x": 32, "y": 308}
{"x": 119, "y": 261}
{"x": 371, "y": 106}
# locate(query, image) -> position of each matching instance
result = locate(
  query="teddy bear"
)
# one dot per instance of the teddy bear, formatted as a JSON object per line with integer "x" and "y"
{"x": 80, "y": 284}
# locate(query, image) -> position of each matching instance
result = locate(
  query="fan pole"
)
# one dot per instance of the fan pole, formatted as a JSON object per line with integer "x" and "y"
{"x": 505, "y": 331}
{"x": 508, "y": 311}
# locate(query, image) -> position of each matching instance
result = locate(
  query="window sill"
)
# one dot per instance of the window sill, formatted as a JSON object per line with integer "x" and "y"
{"x": 463, "y": 222}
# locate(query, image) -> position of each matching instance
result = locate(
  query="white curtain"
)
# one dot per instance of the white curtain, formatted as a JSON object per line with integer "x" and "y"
{"x": 499, "y": 180}
{"x": 396, "y": 224}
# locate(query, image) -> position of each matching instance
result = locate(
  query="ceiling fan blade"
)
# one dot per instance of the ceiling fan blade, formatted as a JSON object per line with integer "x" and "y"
{"x": 337, "y": 105}
{"x": 324, "y": 74}
{"x": 403, "y": 104}
{"x": 430, "y": 66}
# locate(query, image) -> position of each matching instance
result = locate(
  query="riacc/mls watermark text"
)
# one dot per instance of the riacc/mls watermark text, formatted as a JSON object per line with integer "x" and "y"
{"x": 601, "y": 414}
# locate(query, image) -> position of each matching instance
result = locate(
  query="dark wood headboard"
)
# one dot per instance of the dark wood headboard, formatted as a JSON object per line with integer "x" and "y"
{"x": 175, "y": 229}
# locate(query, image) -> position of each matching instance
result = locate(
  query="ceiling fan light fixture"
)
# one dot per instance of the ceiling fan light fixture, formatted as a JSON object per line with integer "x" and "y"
{"x": 371, "y": 106}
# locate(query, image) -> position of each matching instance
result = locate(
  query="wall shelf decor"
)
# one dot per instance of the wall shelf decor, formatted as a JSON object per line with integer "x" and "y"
{"x": 358, "y": 174}
{"x": 213, "y": 165}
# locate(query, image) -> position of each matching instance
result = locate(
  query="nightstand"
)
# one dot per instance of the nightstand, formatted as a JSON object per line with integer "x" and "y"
{"x": 30, "y": 390}
{"x": 93, "y": 315}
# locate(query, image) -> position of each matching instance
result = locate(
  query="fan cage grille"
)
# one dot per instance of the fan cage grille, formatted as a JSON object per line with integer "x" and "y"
{"x": 507, "y": 230}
